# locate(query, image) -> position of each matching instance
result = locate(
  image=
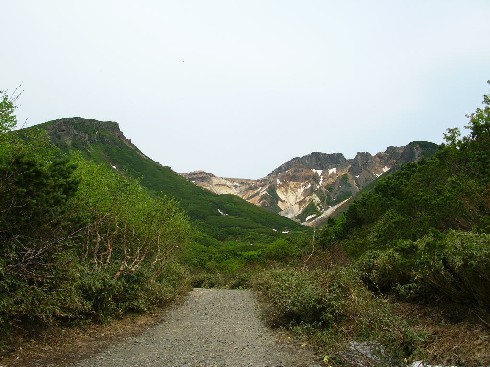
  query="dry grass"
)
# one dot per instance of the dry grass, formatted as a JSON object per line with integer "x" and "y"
{"x": 458, "y": 336}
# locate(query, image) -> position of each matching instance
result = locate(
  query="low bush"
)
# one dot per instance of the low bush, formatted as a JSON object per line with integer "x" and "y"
{"x": 456, "y": 267}
{"x": 452, "y": 267}
{"x": 335, "y": 309}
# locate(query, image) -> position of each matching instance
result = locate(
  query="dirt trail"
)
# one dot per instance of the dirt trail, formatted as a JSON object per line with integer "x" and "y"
{"x": 212, "y": 328}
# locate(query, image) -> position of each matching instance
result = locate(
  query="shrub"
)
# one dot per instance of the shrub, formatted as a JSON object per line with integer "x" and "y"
{"x": 335, "y": 308}
{"x": 451, "y": 266}
{"x": 383, "y": 270}
{"x": 280, "y": 250}
{"x": 457, "y": 267}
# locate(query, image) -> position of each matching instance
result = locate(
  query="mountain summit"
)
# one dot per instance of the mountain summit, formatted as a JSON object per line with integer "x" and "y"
{"x": 311, "y": 187}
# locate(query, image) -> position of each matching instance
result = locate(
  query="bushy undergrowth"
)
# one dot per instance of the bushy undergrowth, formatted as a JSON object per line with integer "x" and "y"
{"x": 453, "y": 266}
{"x": 335, "y": 309}
{"x": 80, "y": 241}
{"x": 234, "y": 264}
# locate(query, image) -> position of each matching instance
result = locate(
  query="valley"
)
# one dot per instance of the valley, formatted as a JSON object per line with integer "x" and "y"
{"x": 94, "y": 230}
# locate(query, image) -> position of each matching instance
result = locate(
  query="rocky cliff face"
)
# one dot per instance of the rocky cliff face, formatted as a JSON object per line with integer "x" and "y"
{"x": 77, "y": 132}
{"x": 310, "y": 188}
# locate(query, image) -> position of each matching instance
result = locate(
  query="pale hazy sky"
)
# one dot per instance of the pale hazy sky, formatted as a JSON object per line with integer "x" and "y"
{"x": 238, "y": 87}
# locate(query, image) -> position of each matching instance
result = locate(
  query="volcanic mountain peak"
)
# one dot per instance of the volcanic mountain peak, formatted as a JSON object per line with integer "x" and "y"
{"x": 315, "y": 160}
{"x": 313, "y": 186}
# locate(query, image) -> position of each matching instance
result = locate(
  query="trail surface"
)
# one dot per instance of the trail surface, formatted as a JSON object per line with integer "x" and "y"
{"x": 212, "y": 328}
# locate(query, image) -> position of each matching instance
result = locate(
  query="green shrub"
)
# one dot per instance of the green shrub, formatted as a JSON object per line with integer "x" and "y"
{"x": 334, "y": 308}
{"x": 383, "y": 270}
{"x": 293, "y": 295}
{"x": 457, "y": 267}
{"x": 452, "y": 266}
{"x": 281, "y": 249}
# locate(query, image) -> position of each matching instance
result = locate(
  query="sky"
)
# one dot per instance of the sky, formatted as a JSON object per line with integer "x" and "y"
{"x": 238, "y": 87}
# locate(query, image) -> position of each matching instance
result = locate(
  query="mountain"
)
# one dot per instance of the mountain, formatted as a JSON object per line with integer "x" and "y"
{"x": 223, "y": 217}
{"x": 310, "y": 188}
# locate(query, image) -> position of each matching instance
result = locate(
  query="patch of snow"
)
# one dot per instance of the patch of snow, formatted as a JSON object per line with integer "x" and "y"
{"x": 113, "y": 166}
{"x": 422, "y": 364}
{"x": 285, "y": 232}
{"x": 258, "y": 191}
{"x": 332, "y": 170}
{"x": 275, "y": 230}
{"x": 385, "y": 169}
{"x": 318, "y": 171}
{"x": 310, "y": 217}
{"x": 278, "y": 181}
{"x": 223, "y": 214}
{"x": 357, "y": 176}
{"x": 377, "y": 174}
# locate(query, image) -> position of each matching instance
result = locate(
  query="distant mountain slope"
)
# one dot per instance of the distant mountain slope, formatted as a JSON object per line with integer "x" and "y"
{"x": 220, "y": 216}
{"x": 313, "y": 186}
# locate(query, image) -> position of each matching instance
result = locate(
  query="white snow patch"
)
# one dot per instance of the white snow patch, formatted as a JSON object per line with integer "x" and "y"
{"x": 223, "y": 214}
{"x": 258, "y": 190}
{"x": 310, "y": 217}
{"x": 423, "y": 364}
{"x": 275, "y": 230}
{"x": 319, "y": 172}
{"x": 385, "y": 169}
{"x": 332, "y": 170}
{"x": 285, "y": 232}
{"x": 357, "y": 176}
{"x": 278, "y": 181}
{"x": 113, "y": 166}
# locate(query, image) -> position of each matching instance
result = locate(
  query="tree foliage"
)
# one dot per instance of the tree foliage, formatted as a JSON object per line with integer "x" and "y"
{"x": 79, "y": 239}
{"x": 8, "y": 119}
{"x": 434, "y": 214}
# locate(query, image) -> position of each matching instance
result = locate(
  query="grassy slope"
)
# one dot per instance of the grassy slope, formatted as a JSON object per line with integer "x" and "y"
{"x": 103, "y": 142}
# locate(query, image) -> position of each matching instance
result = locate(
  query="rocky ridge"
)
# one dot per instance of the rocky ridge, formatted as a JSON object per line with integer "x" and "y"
{"x": 309, "y": 189}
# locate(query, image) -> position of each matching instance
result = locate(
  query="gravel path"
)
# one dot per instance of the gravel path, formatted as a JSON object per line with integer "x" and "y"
{"x": 212, "y": 328}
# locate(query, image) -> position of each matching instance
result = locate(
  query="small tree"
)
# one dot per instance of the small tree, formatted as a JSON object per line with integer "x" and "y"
{"x": 7, "y": 118}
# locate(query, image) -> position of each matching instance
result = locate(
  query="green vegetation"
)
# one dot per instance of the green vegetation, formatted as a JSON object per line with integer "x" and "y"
{"x": 419, "y": 235}
{"x": 422, "y": 232}
{"x": 102, "y": 142}
{"x": 233, "y": 264}
{"x": 332, "y": 308}
{"x": 78, "y": 240}
{"x": 91, "y": 229}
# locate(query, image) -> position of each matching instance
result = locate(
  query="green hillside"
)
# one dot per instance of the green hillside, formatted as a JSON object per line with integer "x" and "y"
{"x": 104, "y": 142}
